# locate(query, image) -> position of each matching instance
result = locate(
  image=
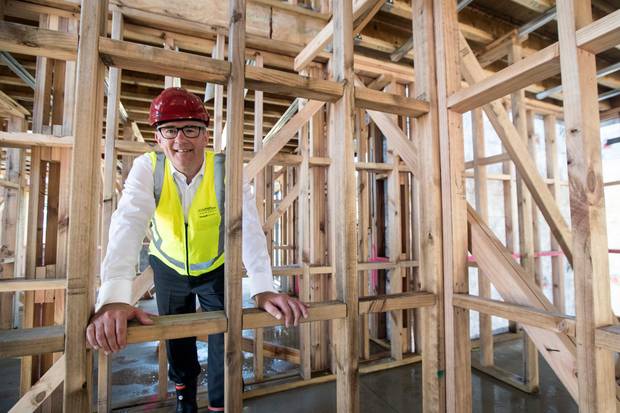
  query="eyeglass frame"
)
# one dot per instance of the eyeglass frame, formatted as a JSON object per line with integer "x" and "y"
{"x": 181, "y": 128}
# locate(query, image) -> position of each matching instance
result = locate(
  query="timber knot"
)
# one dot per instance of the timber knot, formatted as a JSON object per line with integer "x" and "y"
{"x": 107, "y": 60}
{"x": 236, "y": 16}
{"x": 591, "y": 181}
{"x": 30, "y": 43}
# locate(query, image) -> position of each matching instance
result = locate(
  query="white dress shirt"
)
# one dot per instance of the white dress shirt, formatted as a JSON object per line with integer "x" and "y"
{"x": 131, "y": 220}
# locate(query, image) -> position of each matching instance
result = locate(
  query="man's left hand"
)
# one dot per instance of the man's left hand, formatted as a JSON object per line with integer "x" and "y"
{"x": 281, "y": 304}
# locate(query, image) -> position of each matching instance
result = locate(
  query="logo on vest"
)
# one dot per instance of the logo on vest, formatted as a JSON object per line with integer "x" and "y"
{"x": 207, "y": 212}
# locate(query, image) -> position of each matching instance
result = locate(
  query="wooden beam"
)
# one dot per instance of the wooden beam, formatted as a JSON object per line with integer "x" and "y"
{"x": 218, "y": 97}
{"x": 330, "y": 310}
{"x": 597, "y": 390}
{"x": 9, "y": 107}
{"x": 319, "y": 41}
{"x": 391, "y": 302}
{"x": 277, "y": 141}
{"x": 133, "y": 56}
{"x": 318, "y": 232}
{"x": 289, "y": 84}
{"x": 32, "y": 41}
{"x": 271, "y": 350}
{"x": 609, "y": 338}
{"x": 341, "y": 195}
{"x": 395, "y": 136}
{"x": 516, "y": 286}
{"x": 429, "y": 233}
{"x": 233, "y": 383}
{"x": 595, "y": 38}
{"x": 387, "y": 102}
{"x": 380, "y": 82}
{"x": 112, "y": 118}
{"x": 539, "y": 66}
{"x": 43, "y": 388}
{"x": 456, "y": 280}
{"x": 496, "y": 50}
{"x": 28, "y": 341}
{"x": 260, "y": 186}
{"x": 482, "y": 206}
{"x": 487, "y": 160}
{"x": 600, "y": 35}
{"x": 518, "y": 151}
{"x": 525, "y": 217}
{"x": 24, "y": 139}
{"x": 364, "y": 223}
{"x": 189, "y": 66}
{"x": 284, "y": 205}
{"x": 178, "y": 326}
{"x": 532, "y": 316}
{"x": 303, "y": 247}
{"x": 85, "y": 181}
{"x": 394, "y": 242}
{"x": 553, "y": 173}
{"x": 18, "y": 284}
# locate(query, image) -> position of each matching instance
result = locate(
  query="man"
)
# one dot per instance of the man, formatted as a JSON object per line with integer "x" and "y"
{"x": 181, "y": 193}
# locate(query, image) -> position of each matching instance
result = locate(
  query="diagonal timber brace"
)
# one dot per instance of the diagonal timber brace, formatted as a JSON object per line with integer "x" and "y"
{"x": 514, "y": 285}
{"x": 284, "y": 205}
{"x": 405, "y": 148}
{"x": 518, "y": 151}
{"x": 277, "y": 141}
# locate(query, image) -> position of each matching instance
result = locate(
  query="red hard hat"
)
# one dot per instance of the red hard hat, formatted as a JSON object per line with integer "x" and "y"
{"x": 176, "y": 103}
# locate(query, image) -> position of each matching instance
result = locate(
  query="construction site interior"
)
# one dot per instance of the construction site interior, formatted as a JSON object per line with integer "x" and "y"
{"x": 438, "y": 179}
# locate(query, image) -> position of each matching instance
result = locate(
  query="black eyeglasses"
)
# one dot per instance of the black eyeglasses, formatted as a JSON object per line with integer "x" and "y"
{"x": 171, "y": 132}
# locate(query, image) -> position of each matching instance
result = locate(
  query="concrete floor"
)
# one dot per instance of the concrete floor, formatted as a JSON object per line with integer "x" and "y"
{"x": 391, "y": 391}
{"x": 399, "y": 391}
{"x": 135, "y": 379}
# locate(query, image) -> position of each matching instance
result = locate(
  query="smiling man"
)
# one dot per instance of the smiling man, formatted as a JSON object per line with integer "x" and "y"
{"x": 180, "y": 192}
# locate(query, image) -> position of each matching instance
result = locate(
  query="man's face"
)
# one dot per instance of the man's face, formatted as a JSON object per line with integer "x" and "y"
{"x": 185, "y": 152}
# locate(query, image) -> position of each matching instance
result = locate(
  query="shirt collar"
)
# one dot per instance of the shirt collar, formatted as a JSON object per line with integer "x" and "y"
{"x": 179, "y": 175}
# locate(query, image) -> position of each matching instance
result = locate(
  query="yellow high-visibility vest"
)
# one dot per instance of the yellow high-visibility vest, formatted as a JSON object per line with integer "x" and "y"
{"x": 196, "y": 246}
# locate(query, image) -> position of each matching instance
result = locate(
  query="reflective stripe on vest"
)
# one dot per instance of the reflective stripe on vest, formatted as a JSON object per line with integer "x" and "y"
{"x": 197, "y": 247}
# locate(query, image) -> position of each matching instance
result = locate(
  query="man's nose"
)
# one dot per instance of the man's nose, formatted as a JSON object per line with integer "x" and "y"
{"x": 181, "y": 136}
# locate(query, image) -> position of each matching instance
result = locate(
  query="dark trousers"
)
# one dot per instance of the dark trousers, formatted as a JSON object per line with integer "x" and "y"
{"x": 176, "y": 294}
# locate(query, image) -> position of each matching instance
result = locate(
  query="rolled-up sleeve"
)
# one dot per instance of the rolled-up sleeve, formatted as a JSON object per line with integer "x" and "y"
{"x": 255, "y": 254}
{"x": 127, "y": 231}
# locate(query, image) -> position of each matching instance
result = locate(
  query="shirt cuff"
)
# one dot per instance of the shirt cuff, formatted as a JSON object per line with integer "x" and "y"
{"x": 261, "y": 283}
{"x": 114, "y": 291}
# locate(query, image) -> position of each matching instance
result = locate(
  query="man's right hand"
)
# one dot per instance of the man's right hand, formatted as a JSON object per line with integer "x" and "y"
{"x": 107, "y": 329}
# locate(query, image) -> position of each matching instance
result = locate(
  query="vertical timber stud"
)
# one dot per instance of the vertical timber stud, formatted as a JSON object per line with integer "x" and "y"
{"x": 303, "y": 247}
{"x": 458, "y": 356}
{"x": 364, "y": 224}
{"x": 234, "y": 178}
{"x": 85, "y": 182}
{"x": 394, "y": 213}
{"x": 318, "y": 239}
{"x": 587, "y": 203}
{"x": 259, "y": 185}
{"x": 525, "y": 217}
{"x": 218, "y": 103}
{"x": 109, "y": 178}
{"x": 484, "y": 285}
{"x": 39, "y": 111}
{"x": 426, "y": 134}
{"x": 342, "y": 211}
{"x": 553, "y": 173}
